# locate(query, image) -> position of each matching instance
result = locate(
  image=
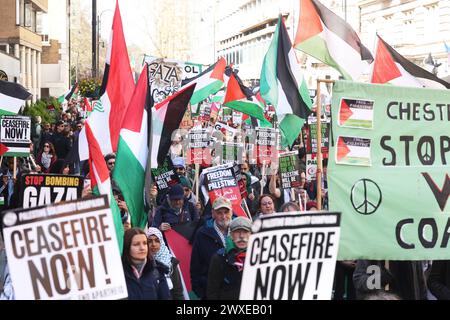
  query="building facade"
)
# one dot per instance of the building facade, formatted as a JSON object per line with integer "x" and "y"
{"x": 414, "y": 28}
{"x": 20, "y": 36}
{"x": 55, "y": 49}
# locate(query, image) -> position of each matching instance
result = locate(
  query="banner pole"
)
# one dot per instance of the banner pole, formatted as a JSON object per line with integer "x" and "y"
{"x": 319, "y": 148}
{"x": 1, "y": 161}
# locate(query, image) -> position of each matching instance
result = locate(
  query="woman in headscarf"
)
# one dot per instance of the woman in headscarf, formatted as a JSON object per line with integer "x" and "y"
{"x": 144, "y": 276}
{"x": 160, "y": 253}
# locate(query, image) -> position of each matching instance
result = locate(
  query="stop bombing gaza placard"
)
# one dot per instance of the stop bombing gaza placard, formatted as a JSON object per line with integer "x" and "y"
{"x": 389, "y": 174}
{"x": 65, "y": 251}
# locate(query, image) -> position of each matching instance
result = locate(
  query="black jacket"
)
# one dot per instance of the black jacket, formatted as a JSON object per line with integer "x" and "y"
{"x": 405, "y": 278}
{"x": 152, "y": 285}
{"x": 206, "y": 243}
{"x": 439, "y": 279}
{"x": 224, "y": 278}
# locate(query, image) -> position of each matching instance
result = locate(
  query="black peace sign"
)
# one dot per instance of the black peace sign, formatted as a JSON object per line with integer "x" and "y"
{"x": 365, "y": 205}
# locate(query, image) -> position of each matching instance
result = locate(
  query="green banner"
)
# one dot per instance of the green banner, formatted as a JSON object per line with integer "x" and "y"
{"x": 388, "y": 171}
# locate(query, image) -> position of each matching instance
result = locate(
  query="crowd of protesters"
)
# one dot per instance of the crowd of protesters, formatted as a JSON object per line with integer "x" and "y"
{"x": 220, "y": 240}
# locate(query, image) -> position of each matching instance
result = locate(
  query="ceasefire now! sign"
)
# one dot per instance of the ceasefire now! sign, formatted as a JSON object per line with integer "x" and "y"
{"x": 389, "y": 171}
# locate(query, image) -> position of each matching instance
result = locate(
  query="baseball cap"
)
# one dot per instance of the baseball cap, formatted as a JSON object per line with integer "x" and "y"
{"x": 241, "y": 223}
{"x": 178, "y": 162}
{"x": 176, "y": 192}
{"x": 222, "y": 202}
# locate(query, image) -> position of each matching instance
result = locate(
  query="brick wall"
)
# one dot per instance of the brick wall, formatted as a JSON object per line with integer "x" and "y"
{"x": 50, "y": 54}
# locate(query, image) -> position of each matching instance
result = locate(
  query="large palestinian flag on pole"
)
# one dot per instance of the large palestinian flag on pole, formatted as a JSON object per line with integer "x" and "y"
{"x": 12, "y": 97}
{"x": 101, "y": 182}
{"x": 208, "y": 82}
{"x": 283, "y": 85}
{"x": 391, "y": 67}
{"x": 237, "y": 100}
{"x": 328, "y": 38}
{"x": 132, "y": 153}
{"x": 166, "y": 118}
{"x": 117, "y": 89}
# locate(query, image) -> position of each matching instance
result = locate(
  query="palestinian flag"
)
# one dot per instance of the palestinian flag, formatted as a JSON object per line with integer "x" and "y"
{"x": 179, "y": 240}
{"x": 101, "y": 182}
{"x": 69, "y": 94}
{"x": 132, "y": 153}
{"x": 356, "y": 113}
{"x": 328, "y": 38}
{"x": 283, "y": 85}
{"x": 353, "y": 151}
{"x": 208, "y": 82}
{"x": 166, "y": 118}
{"x": 391, "y": 67}
{"x": 117, "y": 89}
{"x": 12, "y": 97}
{"x": 236, "y": 99}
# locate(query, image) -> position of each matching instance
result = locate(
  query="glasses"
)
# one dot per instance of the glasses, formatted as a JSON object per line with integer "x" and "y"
{"x": 111, "y": 163}
{"x": 46, "y": 146}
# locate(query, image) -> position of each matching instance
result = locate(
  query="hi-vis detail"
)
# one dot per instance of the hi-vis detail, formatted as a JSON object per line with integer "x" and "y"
{"x": 15, "y": 135}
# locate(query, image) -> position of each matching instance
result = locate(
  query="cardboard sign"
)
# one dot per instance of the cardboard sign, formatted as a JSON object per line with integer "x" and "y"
{"x": 199, "y": 141}
{"x": 266, "y": 145}
{"x": 309, "y": 133}
{"x": 291, "y": 257}
{"x": 220, "y": 181}
{"x": 64, "y": 251}
{"x": 166, "y": 76}
{"x": 311, "y": 167}
{"x": 289, "y": 170}
{"x": 231, "y": 152}
{"x": 165, "y": 175}
{"x": 15, "y": 135}
{"x": 42, "y": 189}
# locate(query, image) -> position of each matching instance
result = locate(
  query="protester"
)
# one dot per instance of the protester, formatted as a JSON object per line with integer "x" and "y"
{"x": 60, "y": 141}
{"x": 208, "y": 240}
{"x": 144, "y": 276}
{"x": 226, "y": 268}
{"x": 47, "y": 157}
{"x": 439, "y": 279}
{"x": 290, "y": 207}
{"x": 405, "y": 278}
{"x": 266, "y": 205}
{"x": 174, "y": 210}
{"x": 160, "y": 252}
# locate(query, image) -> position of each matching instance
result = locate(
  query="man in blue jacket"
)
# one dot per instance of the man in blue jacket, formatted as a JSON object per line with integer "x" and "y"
{"x": 208, "y": 240}
{"x": 174, "y": 210}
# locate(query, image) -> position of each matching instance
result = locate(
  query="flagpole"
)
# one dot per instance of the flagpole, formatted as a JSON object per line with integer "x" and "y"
{"x": 319, "y": 143}
{"x": 319, "y": 147}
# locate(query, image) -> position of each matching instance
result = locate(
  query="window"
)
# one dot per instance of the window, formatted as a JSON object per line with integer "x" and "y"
{"x": 28, "y": 15}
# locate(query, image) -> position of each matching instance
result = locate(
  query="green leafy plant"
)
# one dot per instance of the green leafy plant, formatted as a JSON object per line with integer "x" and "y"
{"x": 90, "y": 88}
{"x": 48, "y": 109}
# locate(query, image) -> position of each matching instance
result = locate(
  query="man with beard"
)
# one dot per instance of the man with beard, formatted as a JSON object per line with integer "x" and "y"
{"x": 208, "y": 240}
{"x": 225, "y": 270}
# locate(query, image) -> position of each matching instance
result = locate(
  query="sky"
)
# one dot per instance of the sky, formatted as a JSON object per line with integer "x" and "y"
{"x": 136, "y": 17}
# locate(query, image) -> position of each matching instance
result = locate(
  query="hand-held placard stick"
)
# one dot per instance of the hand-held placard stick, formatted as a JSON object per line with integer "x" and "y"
{"x": 32, "y": 161}
{"x": 263, "y": 177}
{"x": 1, "y": 161}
